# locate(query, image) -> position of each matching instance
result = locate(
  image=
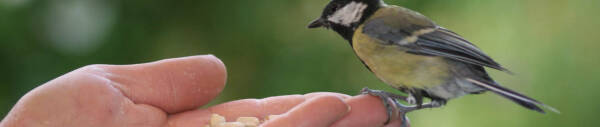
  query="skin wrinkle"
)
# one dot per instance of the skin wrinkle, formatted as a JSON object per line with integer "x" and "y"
{"x": 81, "y": 96}
{"x": 303, "y": 99}
{"x": 139, "y": 122}
{"x": 261, "y": 104}
{"x": 172, "y": 89}
{"x": 108, "y": 82}
{"x": 125, "y": 104}
{"x": 121, "y": 109}
{"x": 115, "y": 80}
{"x": 99, "y": 72}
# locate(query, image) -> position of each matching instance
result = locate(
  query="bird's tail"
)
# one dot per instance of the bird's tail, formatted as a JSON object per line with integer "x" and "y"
{"x": 514, "y": 96}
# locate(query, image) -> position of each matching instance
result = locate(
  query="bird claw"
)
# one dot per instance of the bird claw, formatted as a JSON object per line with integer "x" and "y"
{"x": 390, "y": 101}
{"x": 395, "y": 109}
{"x": 405, "y": 121}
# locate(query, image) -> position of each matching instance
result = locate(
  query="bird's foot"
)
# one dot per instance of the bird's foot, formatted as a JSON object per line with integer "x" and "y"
{"x": 403, "y": 109}
{"x": 396, "y": 109}
{"x": 405, "y": 121}
{"x": 380, "y": 93}
{"x": 389, "y": 100}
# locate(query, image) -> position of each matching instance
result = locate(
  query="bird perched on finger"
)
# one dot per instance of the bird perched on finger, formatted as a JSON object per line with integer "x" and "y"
{"x": 413, "y": 54}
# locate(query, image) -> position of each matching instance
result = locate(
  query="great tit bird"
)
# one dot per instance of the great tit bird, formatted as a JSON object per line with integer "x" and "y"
{"x": 411, "y": 53}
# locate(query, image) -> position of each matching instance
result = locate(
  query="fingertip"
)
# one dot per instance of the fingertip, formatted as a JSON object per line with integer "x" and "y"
{"x": 207, "y": 64}
{"x": 215, "y": 59}
{"x": 208, "y": 68}
{"x": 366, "y": 111}
{"x": 210, "y": 60}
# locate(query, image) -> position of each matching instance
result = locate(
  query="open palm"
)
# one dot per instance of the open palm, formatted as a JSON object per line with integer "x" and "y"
{"x": 167, "y": 93}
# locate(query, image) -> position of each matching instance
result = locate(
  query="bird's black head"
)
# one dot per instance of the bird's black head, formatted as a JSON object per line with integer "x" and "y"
{"x": 344, "y": 16}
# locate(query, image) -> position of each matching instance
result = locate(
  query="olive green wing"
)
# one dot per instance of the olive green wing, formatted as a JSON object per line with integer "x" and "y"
{"x": 427, "y": 40}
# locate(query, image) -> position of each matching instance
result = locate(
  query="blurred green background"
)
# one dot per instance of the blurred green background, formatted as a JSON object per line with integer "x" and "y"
{"x": 552, "y": 45}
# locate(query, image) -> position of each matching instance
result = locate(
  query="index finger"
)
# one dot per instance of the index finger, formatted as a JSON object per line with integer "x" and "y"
{"x": 367, "y": 111}
{"x": 259, "y": 108}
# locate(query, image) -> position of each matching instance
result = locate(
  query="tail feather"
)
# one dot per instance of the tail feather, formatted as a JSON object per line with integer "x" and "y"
{"x": 514, "y": 96}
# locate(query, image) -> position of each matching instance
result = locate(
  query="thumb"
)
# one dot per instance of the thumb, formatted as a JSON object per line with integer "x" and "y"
{"x": 110, "y": 95}
{"x": 173, "y": 85}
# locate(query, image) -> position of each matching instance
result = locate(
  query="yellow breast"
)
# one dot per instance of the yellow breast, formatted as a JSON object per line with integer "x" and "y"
{"x": 397, "y": 68}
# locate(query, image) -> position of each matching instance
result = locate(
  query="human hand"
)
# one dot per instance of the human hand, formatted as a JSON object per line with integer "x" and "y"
{"x": 166, "y": 94}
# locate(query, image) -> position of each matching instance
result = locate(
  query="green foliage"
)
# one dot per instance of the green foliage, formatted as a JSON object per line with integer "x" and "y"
{"x": 551, "y": 45}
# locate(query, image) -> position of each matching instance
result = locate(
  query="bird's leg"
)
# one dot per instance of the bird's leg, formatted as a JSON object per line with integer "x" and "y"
{"x": 383, "y": 93}
{"x": 395, "y": 108}
{"x": 403, "y": 109}
{"x": 432, "y": 104}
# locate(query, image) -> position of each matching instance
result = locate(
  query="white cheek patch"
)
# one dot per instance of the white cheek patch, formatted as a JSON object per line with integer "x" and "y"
{"x": 349, "y": 14}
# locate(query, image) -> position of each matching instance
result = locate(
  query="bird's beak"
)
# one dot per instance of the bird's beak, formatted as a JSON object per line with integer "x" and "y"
{"x": 320, "y": 22}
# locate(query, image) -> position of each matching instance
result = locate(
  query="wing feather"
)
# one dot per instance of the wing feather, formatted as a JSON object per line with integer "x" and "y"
{"x": 437, "y": 41}
{"x": 443, "y": 42}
